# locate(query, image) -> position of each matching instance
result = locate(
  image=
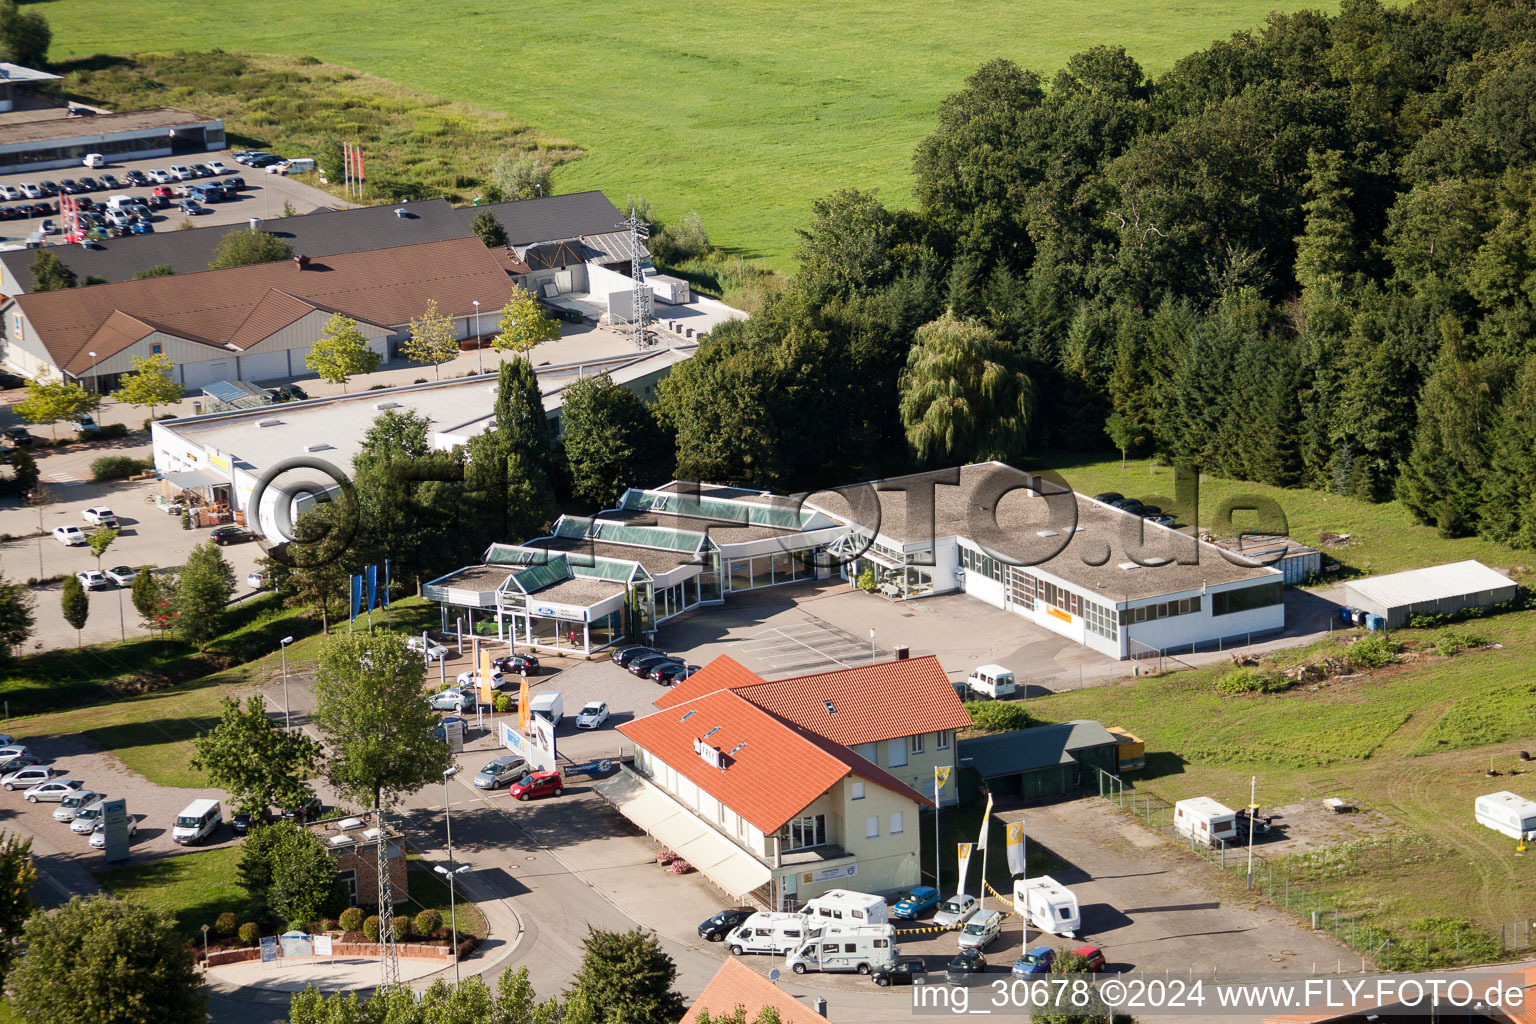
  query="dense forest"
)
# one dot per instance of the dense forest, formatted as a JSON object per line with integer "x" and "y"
{"x": 1306, "y": 256}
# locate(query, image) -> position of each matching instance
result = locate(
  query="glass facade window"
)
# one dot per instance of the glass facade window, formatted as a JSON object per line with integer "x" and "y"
{"x": 1161, "y": 610}
{"x": 1101, "y": 620}
{"x": 762, "y": 571}
{"x": 1264, "y": 595}
{"x": 802, "y": 833}
{"x": 982, "y": 565}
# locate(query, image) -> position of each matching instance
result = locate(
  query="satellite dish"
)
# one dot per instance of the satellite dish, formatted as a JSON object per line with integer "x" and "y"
{"x": 773, "y": 975}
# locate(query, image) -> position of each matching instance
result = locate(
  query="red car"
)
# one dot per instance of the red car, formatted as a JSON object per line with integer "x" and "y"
{"x": 162, "y": 190}
{"x": 1095, "y": 957}
{"x": 537, "y": 784}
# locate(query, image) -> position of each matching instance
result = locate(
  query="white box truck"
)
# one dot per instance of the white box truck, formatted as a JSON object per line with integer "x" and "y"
{"x": 842, "y": 906}
{"x": 1204, "y": 820}
{"x": 766, "y": 932}
{"x": 1047, "y": 905}
{"x": 548, "y": 706}
{"x": 861, "y": 948}
{"x": 994, "y": 681}
{"x": 1514, "y": 816}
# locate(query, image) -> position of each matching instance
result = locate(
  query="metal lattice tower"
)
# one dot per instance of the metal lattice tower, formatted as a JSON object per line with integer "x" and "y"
{"x": 389, "y": 955}
{"x": 640, "y": 319}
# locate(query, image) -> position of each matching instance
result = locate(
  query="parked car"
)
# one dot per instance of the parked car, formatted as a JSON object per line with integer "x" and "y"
{"x": 908, "y": 971}
{"x": 72, "y": 536}
{"x": 965, "y": 965}
{"x": 93, "y": 579}
{"x": 16, "y": 762}
{"x": 191, "y": 207}
{"x": 915, "y": 901}
{"x": 202, "y": 170}
{"x": 122, "y": 575}
{"x": 48, "y": 227}
{"x": 471, "y": 680}
{"x": 956, "y": 910}
{"x": 519, "y": 664}
{"x": 48, "y": 188}
{"x": 137, "y": 177}
{"x": 667, "y": 671}
{"x": 244, "y": 821}
{"x": 90, "y": 184}
{"x": 217, "y": 167}
{"x": 110, "y": 182}
{"x": 99, "y": 833}
{"x": 624, "y": 655}
{"x": 159, "y": 176}
{"x": 287, "y": 393}
{"x": 100, "y": 515}
{"x": 592, "y": 715}
{"x": 537, "y": 784}
{"x": 504, "y": 770}
{"x": 642, "y": 666}
{"x": 1095, "y": 957}
{"x": 981, "y": 929}
{"x": 53, "y": 791}
{"x": 14, "y": 750}
{"x": 85, "y": 819}
{"x": 69, "y": 186}
{"x": 1034, "y": 961}
{"x": 231, "y": 535}
{"x": 10, "y": 193}
{"x": 264, "y": 160}
{"x": 234, "y": 181}
{"x": 245, "y": 156}
{"x": 72, "y": 803}
{"x": 453, "y": 700}
{"x": 1109, "y": 497}
{"x": 430, "y": 649}
{"x": 307, "y": 809}
{"x": 25, "y": 778}
{"x": 723, "y": 923}
{"x": 19, "y": 437}
{"x": 256, "y": 580}
{"x": 181, "y": 172}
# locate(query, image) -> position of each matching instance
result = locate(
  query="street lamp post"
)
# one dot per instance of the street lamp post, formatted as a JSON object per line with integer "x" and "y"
{"x": 205, "y": 947}
{"x": 448, "y": 808}
{"x": 95, "y": 387}
{"x": 283, "y": 647}
{"x": 479, "y": 349}
{"x": 453, "y": 912}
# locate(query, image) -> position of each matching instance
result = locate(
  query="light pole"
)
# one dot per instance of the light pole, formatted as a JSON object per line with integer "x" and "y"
{"x": 205, "y": 947}
{"x": 95, "y": 387}
{"x": 282, "y": 646}
{"x": 453, "y": 912}
{"x": 871, "y": 644}
{"x": 448, "y": 808}
{"x": 479, "y": 351}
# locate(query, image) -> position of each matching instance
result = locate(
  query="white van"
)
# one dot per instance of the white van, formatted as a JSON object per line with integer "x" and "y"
{"x": 842, "y": 906}
{"x": 769, "y": 933}
{"x": 1204, "y": 820}
{"x": 1507, "y": 813}
{"x": 993, "y": 680}
{"x": 298, "y": 165}
{"x": 865, "y": 949}
{"x": 1047, "y": 905}
{"x": 94, "y": 160}
{"x": 197, "y": 821}
{"x": 118, "y": 201}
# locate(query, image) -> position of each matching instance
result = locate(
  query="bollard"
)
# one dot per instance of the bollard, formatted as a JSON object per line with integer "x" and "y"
{"x": 1314, "y": 920}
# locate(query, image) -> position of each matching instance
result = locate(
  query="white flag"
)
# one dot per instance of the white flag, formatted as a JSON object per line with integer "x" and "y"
{"x": 965, "y": 862}
{"x": 1015, "y": 844}
{"x": 986, "y": 815}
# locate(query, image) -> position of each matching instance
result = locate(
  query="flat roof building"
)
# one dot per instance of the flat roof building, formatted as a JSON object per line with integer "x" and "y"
{"x": 1436, "y": 590}
{"x": 43, "y": 137}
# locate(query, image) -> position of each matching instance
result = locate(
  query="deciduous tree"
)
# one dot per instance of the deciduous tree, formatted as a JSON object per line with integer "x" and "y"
{"x": 287, "y": 871}
{"x": 16, "y": 620}
{"x": 342, "y": 352}
{"x": 49, "y": 401}
{"x": 610, "y": 438}
{"x": 151, "y": 382}
{"x": 523, "y": 324}
{"x": 75, "y": 605}
{"x": 203, "y": 590}
{"x": 17, "y": 873}
{"x": 433, "y": 339}
{"x": 99, "y": 540}
{"x": 255, "y": 759}
{"x": 245, "y": 247}
{"x": 962, "y": 399}
{"x": 49, "y": 274}
{"x": 158, "y": 270}
{"x": 24, "y": 36}
{"x": 627, "y": 978}
{"x": 522, "y": 176}
{"x": 120, "y": 961}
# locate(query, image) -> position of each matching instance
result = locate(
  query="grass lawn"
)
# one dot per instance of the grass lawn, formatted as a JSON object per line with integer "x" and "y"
{"x": 195, "y": 887}
{"x": 1385, "y": 537}
{"x": 1411, "y": 741}
{"x": 429, "y": 891}
{"x": 744, "y": 112}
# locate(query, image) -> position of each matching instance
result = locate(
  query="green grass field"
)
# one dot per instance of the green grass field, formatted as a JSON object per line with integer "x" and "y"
{"x": 743, "y": 112}
{"x": 1411, "y": 741}
{"x": 1384, "y": 538}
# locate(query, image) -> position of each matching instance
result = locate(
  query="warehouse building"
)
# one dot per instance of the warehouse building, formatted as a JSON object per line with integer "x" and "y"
{"x": 43, "y": 138}
{"x": 1037, "y": 763}
{"x": 1436, "y": 590}
{"x": 1296, "y": 562}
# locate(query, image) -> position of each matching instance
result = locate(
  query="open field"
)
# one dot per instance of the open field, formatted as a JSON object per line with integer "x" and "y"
{"x": 1411, "y": 741}
{"x": 1384, "y": 538}
{"x": 195, "y": 888}
{"x": 744, "y": 112}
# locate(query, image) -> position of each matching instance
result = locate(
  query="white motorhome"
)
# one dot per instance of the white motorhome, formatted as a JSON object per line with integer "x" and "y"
{"x": 1204, "y": 820}
{"x": 1512, "y": 815}
{"x": 993, "y": 680}
{"x": 766, "y": 932}
{"x": 1047, "y": 905}
{"x": 861, "y": 948}
{"x": 843, "y": 906}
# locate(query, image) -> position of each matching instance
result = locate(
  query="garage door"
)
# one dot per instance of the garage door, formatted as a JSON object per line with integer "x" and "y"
{"x": 265, "y": 365}
{"x": 198, "y": 374}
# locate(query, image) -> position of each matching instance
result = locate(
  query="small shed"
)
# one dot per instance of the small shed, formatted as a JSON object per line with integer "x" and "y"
{"x": 1297, "y": 562}
{"x": 1037, "y": 763}
{"x": 1436, "y": 590}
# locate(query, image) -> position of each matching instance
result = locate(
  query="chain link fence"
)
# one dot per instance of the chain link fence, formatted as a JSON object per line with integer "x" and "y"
{"x": 1294, "y": 882}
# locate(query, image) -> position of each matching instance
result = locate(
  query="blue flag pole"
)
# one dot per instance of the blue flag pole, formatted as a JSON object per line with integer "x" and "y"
{"x": 373, "y": 591}
{"x": 388, "y": 622}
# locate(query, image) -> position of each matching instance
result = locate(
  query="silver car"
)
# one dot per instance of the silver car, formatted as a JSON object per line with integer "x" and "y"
{"x": 958, "y": 909}
{"x": 99, "y": 833}
{"x": 89, "y": 815}
{"x": 71, "y": 805}
{"x": 54, "y": 791}
{"x": 26, "y": 778}
{"x": 505, "y": 769}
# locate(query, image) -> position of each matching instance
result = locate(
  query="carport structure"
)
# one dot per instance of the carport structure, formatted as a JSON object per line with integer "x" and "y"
{"x": 1037, "y": 763}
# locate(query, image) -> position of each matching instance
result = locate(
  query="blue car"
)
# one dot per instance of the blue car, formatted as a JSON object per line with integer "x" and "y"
{"x": 914, "y": 901}
{"x": 1035, "y": 961}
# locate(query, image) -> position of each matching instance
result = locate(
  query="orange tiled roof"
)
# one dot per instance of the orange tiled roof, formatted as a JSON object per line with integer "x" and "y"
{"x": 869, "y": 703}
{"x": 735, "y": 984}
{"x": 773, "y": 769}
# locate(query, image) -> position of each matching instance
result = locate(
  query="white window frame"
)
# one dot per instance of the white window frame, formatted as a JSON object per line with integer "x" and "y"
{"x": 896, "y": 824}
{"x": 918, "y": 742}
{"x": 943, "y": 741}
{"x": 894, "y": 749}
{"x": 872, "y": 827}
{"x": 858, "y": 791}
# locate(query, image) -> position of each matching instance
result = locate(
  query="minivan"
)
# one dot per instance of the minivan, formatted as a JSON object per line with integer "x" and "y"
{"x": 197, "y": 821}
{"x": 981, "y": 929}
{"x": 69, "y": 808}
{"x": 994, "y": 681}
{"x": 94, "y": 160}
{"x": 298, "y": 165}
{"x": 506, "y": 769}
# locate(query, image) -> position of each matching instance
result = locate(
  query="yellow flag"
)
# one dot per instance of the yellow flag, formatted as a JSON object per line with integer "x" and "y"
{"x": 940, "y": 779}
{"x": 487, "y": 691}
{"x": 522, "y": 706}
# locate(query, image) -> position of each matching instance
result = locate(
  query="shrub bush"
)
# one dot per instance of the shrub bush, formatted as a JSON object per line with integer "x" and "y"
{"x": 108, "y": 432}
{"x": 997, "y": 715}
{"x": 328, "y": 925}
{"x": 225, "y": 924}
{"x": 1449, "y": 641}
{"x": 371, "y": 928}
{"x": 118, "y": 467}
{"x": 1251, "y": 680}
{"x": 402, "y": 927}
{"x": 427, "y": 922}
{"x": 351, "y": 919}
{"x": 249, "y": 933}
{"x": 867, "y": 580}
{"x": 298, "y": 924}
{"x": 504, "y": 703}
{"x": 1374, "y": 650}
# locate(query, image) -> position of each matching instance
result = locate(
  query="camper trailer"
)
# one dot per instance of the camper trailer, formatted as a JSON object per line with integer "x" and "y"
{"x": 1047, "y": 905}
{"x": 1204, "y": 820}
{"x": 841, "y": 906}
{"x": 770, "y": 933}
{"x": 861, "y": 948}
{"x": 1514, "y": 816}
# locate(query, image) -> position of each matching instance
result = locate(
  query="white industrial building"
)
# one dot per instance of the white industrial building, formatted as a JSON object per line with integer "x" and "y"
{"x": 1436, "y": 590}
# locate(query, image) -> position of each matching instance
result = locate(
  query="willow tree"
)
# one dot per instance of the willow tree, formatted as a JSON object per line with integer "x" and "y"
{"x": 963, "y": 397}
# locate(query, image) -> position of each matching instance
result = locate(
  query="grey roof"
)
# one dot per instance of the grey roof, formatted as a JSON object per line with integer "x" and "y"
{"x": 1023, "y": 750}
{"x": 1433, "y": 583}
{"x": 331, "y": 232}
{"x": 551, "y": 255}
